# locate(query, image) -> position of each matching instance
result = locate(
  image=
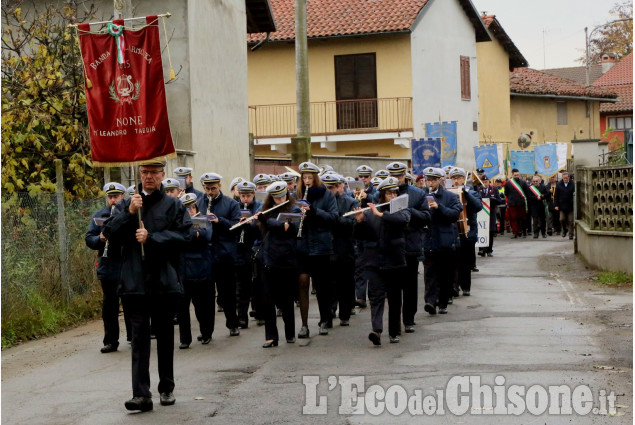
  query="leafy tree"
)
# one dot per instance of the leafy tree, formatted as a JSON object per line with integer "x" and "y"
{"x": 614, "y": 38}
{"x": 43, "y": 101}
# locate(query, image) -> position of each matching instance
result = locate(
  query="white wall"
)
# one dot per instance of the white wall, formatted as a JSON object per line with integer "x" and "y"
{"x": 217, "y": 33}
{"x": 441, "y": 34}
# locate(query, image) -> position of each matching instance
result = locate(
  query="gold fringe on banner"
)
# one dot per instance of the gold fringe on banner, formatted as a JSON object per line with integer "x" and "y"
{"x": 135, "y": 163}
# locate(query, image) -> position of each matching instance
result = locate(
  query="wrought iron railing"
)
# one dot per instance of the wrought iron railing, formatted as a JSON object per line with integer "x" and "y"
{"x": 334, "y": 117}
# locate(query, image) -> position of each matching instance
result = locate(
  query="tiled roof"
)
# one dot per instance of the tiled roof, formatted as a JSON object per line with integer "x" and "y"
{"x": 577, "y": 73}
{"x": 620, "y": 74}
{"x": 530, "y": 81}
{"x": 625, "y": 99}
{"x": 516, "y": 59}
{"x": 336, "y": 18}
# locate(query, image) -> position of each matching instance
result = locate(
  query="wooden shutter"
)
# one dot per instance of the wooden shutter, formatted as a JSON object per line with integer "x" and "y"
{"x": 466, "y": 92}
{"x": 356, "y": 78}
{"x": 562, "y": 113}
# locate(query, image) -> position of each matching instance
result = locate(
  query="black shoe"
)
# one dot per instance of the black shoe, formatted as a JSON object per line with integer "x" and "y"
{"x": 536, "y": 236}
{"x": 234, "y": 332}
{"x": 466, "y": 293}
{"x": 443, "y": 310}
{"x": 139, "y": 403}
{"x": 220, "y": 309}
{"x": 394, "y": 339}
{"x": 329, "y": 324}
{"x": 481, "y": 254}
{"x": 360, "y": 303}
{"x": 570, "y": 237}
{"x": 564, "y": 234}
{"x": 313, "y": 291}
{"x": 199, "y": 338}
{"x": 544, "y": 236}
{"x": 474, "y": 269}
{"x": 279, "y": 313}
{"x": 271, "y": 343}
{"x": 489, "y": 254}
{"x": 260, "y": 322}
{"x": 153, "y": 336}
{"x": 184, "y": 345}
{"x": 108, "y": 348}
{"x": 290, "y": 340}
{"x": 353, "y": 312}
{"x": 252, "y": 313}
{"x": 242, "y": 324}
{"x": 550, "y": 233}
{"x": 304, "y": 332}
{"x": 324, "y": 330}
{"x": 344, "y": 323}
{"x": 410, "y": 329}
{"x": 167, "y": 399}
{"x": 206, "y": 341}
{"x": 430, "y": 309}
{"x": 375, "y": 338}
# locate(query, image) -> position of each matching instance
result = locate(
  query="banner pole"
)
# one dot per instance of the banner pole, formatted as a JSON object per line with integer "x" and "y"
{"x": 134, "y": 178}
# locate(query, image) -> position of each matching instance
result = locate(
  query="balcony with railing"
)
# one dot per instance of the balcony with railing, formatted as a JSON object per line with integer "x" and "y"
{"x": 334, "y": 117}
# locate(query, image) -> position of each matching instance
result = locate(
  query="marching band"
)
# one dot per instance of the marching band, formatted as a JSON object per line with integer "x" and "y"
{"x": 261, "y": 246}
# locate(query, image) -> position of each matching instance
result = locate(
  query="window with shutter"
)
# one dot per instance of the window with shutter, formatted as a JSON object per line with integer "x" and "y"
{"x": 356, "y": 91}
{"x": 466, "y": 92}
{"x": 562, "y": 113}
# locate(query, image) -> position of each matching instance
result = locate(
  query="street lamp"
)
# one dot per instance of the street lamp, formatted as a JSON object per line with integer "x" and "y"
{"x": 588, "y": 36}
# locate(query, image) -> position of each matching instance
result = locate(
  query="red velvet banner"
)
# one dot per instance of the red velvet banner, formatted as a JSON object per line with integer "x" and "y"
{"x": 125, "y": 95}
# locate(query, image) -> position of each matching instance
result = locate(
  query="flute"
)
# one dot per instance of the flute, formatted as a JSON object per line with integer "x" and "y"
{"x": 253, "y": 217}
{"x": 364, "y": 209}
{"x": 242, "y": 233}
{"x": 105, "y": 254}
{"x": 306, "y": 194}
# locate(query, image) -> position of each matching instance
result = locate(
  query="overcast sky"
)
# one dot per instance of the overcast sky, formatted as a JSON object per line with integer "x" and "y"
{"x": 559, "y": 22}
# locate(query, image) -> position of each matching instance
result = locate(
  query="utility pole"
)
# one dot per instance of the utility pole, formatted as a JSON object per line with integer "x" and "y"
{"x": 123, "y": 10}
{"x": 301, "y": 145}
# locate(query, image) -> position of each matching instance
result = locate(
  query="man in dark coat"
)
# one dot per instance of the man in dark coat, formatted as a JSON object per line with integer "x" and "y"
{"x": 487, "y": 191}
{"x": 150, "y": 283}
{"x": 516, "y": 193}
{"x": 419, "y": 218}
{"x": 108, "y": 269}
{"x": 553, "y": 220}
{"x": 536, "y": 197}
{"x": 223, "y": 212}
{"x": 563, "y": 200}
{"x": 440, "y": 241}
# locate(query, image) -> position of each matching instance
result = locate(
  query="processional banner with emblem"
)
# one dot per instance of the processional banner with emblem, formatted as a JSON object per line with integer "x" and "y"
{"x": 125, "y": 94}
{"x": 446, "y": 131}
{"x": 486, "y": 157}
{"x": 425, "y": 153}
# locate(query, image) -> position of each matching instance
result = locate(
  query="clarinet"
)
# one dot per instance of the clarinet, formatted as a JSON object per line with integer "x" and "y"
{"x": 105, "y": 254}
{"x": 306, "y": 193}
{"x": 242, "y": 233}
{"x": 209, "y": 205}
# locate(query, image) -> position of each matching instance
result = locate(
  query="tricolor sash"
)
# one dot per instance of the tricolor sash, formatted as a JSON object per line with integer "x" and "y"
{"x": 535, "y": 191}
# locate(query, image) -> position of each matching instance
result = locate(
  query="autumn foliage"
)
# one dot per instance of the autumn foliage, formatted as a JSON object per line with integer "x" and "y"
{"x": 43, "y": 102}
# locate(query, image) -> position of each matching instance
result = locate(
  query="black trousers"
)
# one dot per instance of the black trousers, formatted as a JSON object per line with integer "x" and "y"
{"x": 110, "y": 313}
{"x": 201, "y": 294}
{"x": 553, "y": 222}
{"x": 410, "y": 289}
{"x": 538, "y": 219}
{"x": 160, "y": 309}
{"x": 257, "y": 290}
{"x": 320, "y": 269}
{"x": 279, "y": 288}
{"x": 439, "y": 270}
{"x": 223, "y": 277}
{"x": 244, "y": 285}
{"x": 382, "y": 285}
{"x": 361, "y": 278}
{"x": 465, "y": 260}
{"x": 344, "y": 285}
{"x": 501, "y": 216}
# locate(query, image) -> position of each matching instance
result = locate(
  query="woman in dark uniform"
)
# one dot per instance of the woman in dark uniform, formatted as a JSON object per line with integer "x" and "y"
{"x": 383, "y": 236}
{"x": 315, "y": 246}
{"x": 278, "y": 258}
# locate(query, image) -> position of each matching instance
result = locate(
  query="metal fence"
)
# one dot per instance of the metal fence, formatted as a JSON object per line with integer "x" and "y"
{"x": 34, "y": 261}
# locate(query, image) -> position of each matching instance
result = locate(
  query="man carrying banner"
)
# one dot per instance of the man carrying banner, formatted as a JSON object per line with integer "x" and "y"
{"x": 515, "y": 191}
{"x": 487, "y": 191}
{"x": 553, "y": 221}
{"x": 150, "y": 283}
{"x": 536, "y": 197}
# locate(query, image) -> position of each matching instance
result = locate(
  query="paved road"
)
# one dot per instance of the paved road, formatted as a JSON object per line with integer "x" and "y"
{"x": 525, "y": 323}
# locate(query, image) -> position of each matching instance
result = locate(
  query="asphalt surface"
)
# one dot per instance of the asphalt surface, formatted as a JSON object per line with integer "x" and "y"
{"x": 525, "y": 323}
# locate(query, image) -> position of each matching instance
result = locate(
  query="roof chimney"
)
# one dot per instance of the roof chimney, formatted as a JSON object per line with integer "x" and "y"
{"x": 608, "y": 60}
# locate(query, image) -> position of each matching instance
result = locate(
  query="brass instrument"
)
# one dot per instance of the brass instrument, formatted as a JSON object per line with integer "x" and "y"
{"x": 306, "y": 194}
{"x": 105, "y": 254}
{"x": 464, "y": 228}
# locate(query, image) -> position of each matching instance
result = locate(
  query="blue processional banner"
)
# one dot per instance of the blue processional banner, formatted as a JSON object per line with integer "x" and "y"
{"x": 425, "y": 153}
{"x": 486, "y": 157}
{"x": 446, "y": 131}
{"x": 523, "y": 161}
{"x": 546, "y": 157}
